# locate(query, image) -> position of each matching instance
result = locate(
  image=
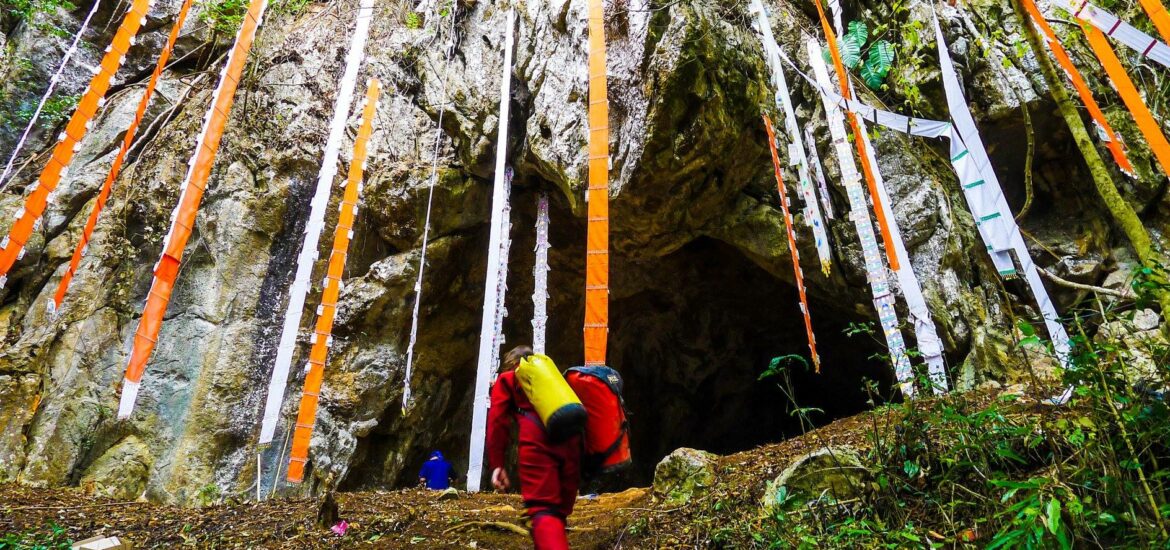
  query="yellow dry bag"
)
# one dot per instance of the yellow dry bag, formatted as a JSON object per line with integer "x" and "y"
{"x": 557, "y": 406}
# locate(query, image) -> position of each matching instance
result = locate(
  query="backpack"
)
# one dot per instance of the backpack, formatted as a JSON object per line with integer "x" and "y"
{"x": 607, "y": 430}
{"x": 559, "y": 409}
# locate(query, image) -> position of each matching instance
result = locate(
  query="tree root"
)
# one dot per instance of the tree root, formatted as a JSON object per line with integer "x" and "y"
{"x": 501, "y": 525}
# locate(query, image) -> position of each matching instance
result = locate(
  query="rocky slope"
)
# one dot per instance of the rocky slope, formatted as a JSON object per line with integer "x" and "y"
{"x": 702, "y": 294}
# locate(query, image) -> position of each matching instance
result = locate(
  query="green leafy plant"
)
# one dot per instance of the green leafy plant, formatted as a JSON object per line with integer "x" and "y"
{"x": 874, "y": 62}
{"x": 35, "y": 12}
{"x": 56, "y": 110}
{"x": 53, "y": 538}
{"x": 223, "y": 16}
{"x": 209, "y": 494}
{"x": 413, "y": 20}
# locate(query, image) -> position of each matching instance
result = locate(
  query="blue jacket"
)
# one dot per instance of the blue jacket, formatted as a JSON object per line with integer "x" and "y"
{"x": 437, "y": 472}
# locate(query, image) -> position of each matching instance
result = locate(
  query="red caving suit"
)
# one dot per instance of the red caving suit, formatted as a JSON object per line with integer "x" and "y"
{"x": 549, "y": 472}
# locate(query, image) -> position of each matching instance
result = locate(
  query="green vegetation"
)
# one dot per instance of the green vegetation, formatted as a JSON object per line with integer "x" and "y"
{"x": 1011, "y": 472}
{"x": 290, "y": 7}
{"x": 209, "y": 494}
{"x": 874, "y": 62}
{"x": 55, "y": 538}
{"x": 55, "y": 111}
{"x": 413, "y": 20}
{"x": 36, "y": 12}
{"x": 223, "y": 16}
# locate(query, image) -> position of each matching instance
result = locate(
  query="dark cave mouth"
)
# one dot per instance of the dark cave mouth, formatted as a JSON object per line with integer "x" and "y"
{"x": 691, "y": 347}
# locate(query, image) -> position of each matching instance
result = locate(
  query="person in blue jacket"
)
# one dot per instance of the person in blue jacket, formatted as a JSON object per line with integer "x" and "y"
{"x": 436, "y": 472}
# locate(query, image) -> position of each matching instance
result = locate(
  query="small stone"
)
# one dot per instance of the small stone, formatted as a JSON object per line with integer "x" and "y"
{"x": 450, "y": 493}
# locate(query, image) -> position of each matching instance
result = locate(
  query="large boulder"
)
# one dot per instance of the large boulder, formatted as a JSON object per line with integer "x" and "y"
{"x": 683, "y": 475}
{"x": 829, "y": 474}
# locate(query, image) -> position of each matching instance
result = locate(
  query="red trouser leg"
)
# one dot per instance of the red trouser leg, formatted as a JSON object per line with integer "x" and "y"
{"x": 548, "y": 532}
{"x": 549, "y": 476}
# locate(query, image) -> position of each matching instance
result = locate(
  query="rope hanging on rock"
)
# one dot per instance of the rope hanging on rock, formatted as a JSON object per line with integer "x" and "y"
{"x": 1121, "y": 82}
{"x": 1113, "y": 142}
{"x": 322, "y": 338}
{"x": 1157, "y": 12}
{"x": 875, "y": 268}
{"x": 597, "y": 196}
{"x": 540, "y": 277}
{"x": 166, "y": 271}
{"x": 497, "y": 270}
{"x": 1146, "y": 45}
{"x": 879, "y": 210}
{"x": 407, "y": 396}
{"x": 798, "y": 274}
{"x": 315, "y": 225}
{"x": 796, "y": 149}
{"x": 87, "y": 232}
{"x": 32, "y": 121}
{"x": 42, "y": 193}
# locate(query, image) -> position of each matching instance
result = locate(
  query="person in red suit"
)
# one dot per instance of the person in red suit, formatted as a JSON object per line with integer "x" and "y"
{"x": 549, "y": 472}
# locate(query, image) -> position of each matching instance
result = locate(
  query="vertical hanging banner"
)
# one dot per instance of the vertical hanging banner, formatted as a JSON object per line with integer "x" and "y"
{"x": 597, "y": 196}
{"x": 798, "y": 274}
{"x": 496, "y": 271}
{"x": 985, "y": 197}
{"x": 540, "y": 277}
{"x": 818, "y": 172}
{"x": 316, "y": 222}
{"x": 875, "y": 269}
{"x": 183, "y": 218}
{"x": 1113, "y": 142}
{"x": 1121, "y": 82}
{"x": 1157, "y": 12}
{"x": 53, "y": 80}
{"x": 502, "y": 285}
{"x": 929, "y": 343}
{"x": 796, "y": 150}
{"x": 322, "y": 337}
{"x": 93, "y": 98}
{"x": 87, "y": 232}
{"x": 1138, "y": 41}
{"x": 866, "y": 169}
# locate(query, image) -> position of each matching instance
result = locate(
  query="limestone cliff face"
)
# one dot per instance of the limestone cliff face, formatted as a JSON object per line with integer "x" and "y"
{"x": 701, "y": 292}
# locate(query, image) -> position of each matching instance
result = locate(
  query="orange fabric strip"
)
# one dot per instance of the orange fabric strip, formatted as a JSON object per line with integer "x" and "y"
{"x": 870, "y": 181}
{"x": 597, "y": 197}
{"x": 310, "y": 397}
{"x": 69, "y": 142}
{"x": 1115, "y": 147}
{"x": 1161, "y": 19}
{"x": 1129, "y": 94}
{"x": 797, "y": 272}
{"x": 127, "y": 141}
{"x": 183, "y": 222}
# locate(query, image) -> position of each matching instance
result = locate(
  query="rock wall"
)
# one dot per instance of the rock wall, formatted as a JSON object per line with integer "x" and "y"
{"x": 702, "y": 293}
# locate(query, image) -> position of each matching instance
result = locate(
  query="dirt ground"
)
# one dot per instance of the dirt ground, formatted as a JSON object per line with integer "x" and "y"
{"x": 395, "y": 519}
{"x": 418, "y": 519}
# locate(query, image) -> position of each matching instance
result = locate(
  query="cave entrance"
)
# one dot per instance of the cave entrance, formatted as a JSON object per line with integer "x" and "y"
{"x": 690, "y": 332}
{"x": 692, "y": 349}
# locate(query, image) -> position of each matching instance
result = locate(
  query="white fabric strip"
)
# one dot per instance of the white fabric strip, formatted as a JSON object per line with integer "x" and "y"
{"x": 985, "y": 198}
{"x": 818, "y": 172}
{"x": 875, "y": 267}
{"x": 929, "y": 344}
{"x": 488, "y": 355}
{"x": 796, "y": 150}
{"x": 72, "y": 49}
{"x": 502, "y": 286}
{"x": 316, "y": 223}
{"x": 1119, "y": 30}
{"x": 407, "y": 396}
{"x": 540, "y": 276}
